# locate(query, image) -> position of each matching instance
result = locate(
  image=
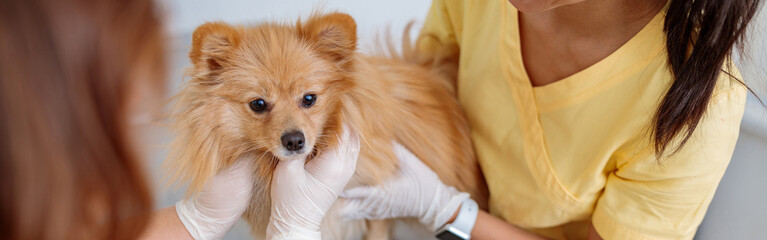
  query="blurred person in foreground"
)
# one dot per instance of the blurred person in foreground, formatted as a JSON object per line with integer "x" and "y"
{"x": 76, "y": 79}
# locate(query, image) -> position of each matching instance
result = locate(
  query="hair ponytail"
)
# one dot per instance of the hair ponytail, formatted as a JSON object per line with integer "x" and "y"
{"x": 712, "y": 27}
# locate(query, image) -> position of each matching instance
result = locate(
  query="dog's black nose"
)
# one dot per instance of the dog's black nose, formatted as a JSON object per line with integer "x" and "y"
{"x": 293, "y": 140}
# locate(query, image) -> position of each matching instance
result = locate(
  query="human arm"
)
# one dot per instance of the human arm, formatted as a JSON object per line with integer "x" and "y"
{"x": 490, "y": 227}
{"x": 165, "y": 224}
{"x": 210, "y": 213}
{"x": 646, "y": 198}
{"x": 650, "y": 198}
{"x": 416, "y": 191}
{"x": 667, "y": 198}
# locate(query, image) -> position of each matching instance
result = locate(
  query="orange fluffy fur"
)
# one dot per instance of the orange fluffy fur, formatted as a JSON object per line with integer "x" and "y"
{"x": 384, "y": 99}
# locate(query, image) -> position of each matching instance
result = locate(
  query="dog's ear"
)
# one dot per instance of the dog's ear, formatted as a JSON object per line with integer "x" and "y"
{"x": 210, "y": 44}
{"x": 333, "y": 35}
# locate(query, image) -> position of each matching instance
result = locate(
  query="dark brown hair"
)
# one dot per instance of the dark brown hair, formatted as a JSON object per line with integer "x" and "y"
{"x": 712, "y": 28}
{"x": 67, "y": 165}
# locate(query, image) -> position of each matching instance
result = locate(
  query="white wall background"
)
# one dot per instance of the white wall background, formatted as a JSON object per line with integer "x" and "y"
{"x": 739, "y": 210}
{"x": 372, "y": 17}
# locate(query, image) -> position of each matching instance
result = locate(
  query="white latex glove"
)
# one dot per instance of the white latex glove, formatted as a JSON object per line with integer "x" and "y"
{"x": 303, "y": 192}
{"x": 415, "y": 191}
{"x": 210, "y": 213}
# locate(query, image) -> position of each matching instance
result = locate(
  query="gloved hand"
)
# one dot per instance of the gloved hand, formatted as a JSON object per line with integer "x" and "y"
{"x": 303, "y": 192}
{"x": 415, "y": 191}
{"x": 219, "y": 205}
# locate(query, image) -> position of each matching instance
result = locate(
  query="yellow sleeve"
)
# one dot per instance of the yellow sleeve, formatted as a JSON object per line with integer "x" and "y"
{"x": 443, "y": 25}
{"x": 650, "y": 199}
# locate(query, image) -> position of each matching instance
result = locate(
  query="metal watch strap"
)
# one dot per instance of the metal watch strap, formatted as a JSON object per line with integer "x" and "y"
{"x": 460, "y": 228}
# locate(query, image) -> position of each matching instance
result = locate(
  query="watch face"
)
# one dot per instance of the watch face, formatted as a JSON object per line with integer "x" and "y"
{"x": 447, "y": 235}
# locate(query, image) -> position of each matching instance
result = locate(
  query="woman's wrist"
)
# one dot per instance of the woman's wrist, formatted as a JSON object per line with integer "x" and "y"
{"x": 198, "y": 224}
{"x": 165, "y": 224}
{"x": 437, "y": 215}
{"x": 280, "y": 229}
{"x": 452, "y": 219}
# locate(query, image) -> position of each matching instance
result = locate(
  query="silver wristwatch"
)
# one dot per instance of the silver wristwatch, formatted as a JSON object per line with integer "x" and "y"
{"x": 460, "y": 228}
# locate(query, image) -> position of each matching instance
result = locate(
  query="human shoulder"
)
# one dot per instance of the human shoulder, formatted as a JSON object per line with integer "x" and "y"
{"x": 729, "y": 84}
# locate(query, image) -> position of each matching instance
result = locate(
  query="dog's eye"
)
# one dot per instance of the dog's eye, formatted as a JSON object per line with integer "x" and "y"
{"x": 258, "y": 105}
{"x": 309, "y": 100}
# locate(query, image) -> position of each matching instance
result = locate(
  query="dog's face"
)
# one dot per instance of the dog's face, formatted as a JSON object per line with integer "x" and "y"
{"x": 274, "y": 88}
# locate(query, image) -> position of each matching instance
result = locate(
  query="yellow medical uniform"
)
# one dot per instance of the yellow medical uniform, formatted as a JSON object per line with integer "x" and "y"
{"x": 578, "y": 151}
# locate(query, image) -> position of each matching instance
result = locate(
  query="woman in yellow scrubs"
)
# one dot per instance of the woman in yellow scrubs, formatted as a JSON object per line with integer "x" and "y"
{"x": 611, "y": 119}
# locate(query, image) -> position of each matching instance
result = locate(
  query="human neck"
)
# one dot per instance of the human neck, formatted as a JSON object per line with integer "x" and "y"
{"x": 595, "y": 17}
{"x": 562, "y": 41}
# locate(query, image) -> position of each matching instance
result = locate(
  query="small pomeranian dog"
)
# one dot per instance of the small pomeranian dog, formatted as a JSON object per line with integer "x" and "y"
{"x": 279, "y": 91}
